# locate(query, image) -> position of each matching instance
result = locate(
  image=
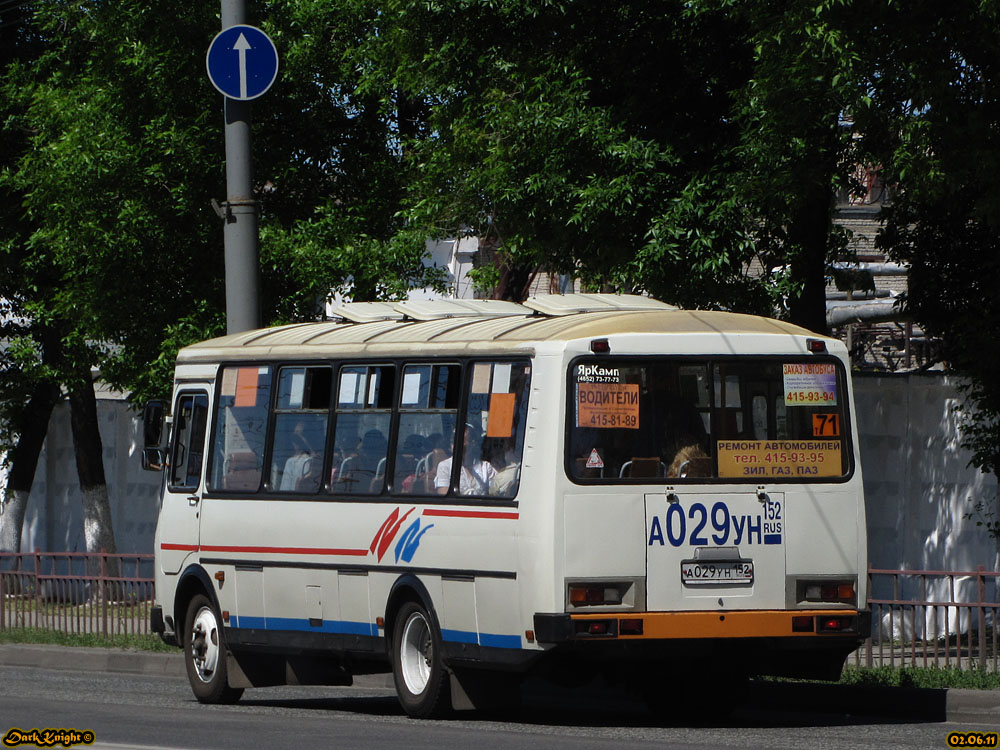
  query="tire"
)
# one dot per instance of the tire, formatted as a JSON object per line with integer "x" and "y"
{"x": 205, "y": 654}
{"x": 422, "y": 683}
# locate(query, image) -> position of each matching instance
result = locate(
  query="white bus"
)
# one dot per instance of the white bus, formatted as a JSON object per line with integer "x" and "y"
{"x": 467, "y": 492}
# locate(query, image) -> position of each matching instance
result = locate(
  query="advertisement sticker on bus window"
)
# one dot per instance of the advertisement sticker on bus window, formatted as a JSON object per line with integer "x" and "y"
{"x": 501, "y": 377}
{"x": 608, "y": 405}
{"x": 594, "y": 461}
{"x": 481, "y": 377}
{"x": 246, "y": 386}
{"x": 229, "y": 382}
{"x": 779, "y": 458}
{"x": 826, "y": 425}
{"x": 809, "y": 384}
{"x": 348, "y": 388}
{"x": 411, "y": 388}
{"x": 501, "y": 420}
{"x": 296, "y": 393}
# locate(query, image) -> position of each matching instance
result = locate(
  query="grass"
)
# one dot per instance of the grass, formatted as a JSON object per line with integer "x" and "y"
{"x": 921, "y": 677}
{"x": 133, "y": 642}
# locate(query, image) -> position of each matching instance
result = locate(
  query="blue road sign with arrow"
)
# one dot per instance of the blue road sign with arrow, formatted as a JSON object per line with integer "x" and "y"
{"x": 242, "y": 62}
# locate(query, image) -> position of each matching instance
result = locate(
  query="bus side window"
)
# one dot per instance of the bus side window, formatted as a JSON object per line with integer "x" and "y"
{"x": 364, "y": 415}
{"x": 237, "y": 454}
{"x": 299, "y": 438}
{"x": 496, "y": 412}
{"x": 428, "y": 408}
{"x": 191, "y": 417}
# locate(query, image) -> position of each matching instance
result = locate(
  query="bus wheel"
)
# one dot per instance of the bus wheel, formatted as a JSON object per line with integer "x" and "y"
{"x": 421, "y": 680}
{"x": 205, "y": 654}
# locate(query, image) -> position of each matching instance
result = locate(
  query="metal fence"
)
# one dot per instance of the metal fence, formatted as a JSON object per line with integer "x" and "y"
{"x": 76, "y": 592}
{"x": 920, "y": 618}
{"x": 923, "y": 618}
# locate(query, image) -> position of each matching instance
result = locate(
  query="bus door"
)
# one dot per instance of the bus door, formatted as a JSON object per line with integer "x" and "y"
{"x": 181, "y": 510}
{"x": 715, "y": 550}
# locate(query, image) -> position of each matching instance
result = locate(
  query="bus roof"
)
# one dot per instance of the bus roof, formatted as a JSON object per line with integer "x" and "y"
{"x": 477, "y": 326}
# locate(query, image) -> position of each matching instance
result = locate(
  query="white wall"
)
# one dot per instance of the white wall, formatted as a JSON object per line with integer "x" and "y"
{"x": 918, "y": 487}
{"x": 53, "y": 521}
{"x": 917, "y": 478}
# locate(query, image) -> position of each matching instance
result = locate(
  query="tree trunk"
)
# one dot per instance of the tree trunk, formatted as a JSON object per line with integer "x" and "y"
{"x": 97, "y": 527}
{"x": 33, "y": 424}
{"x": 809, "y": 237}
{"x": 515, "y": 280}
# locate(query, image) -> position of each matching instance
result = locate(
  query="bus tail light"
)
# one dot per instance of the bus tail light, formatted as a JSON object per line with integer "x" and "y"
{"x": 595, "y": 628}
{"x": 802, "y": 624}
{"x": 816, "y": 346}
{"x": 598, "y": 594}
{"x": 631, "y": 626}
{"x": 836, "y": 625}
{"x": 828, "y": 592}
{"x": 581, "y": 596}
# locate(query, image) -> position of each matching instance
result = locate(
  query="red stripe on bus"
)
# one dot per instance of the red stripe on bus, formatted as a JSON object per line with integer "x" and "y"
{"x": 471, "y": 514}
{"x": 285, "y": 550}
{"x": 180, "y": 547}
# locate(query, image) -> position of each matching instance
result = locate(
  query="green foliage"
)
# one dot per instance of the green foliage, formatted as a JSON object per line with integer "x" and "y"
{"x": 921, "y": 677}
{"x": 689, "y": 149}
{"x": 576, "y": 137}
{"x": 933, "y": 125}
{"x": 131, "y": 642}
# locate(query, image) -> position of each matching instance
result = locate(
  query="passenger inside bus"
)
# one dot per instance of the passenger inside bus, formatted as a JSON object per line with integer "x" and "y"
{"x": 504, "y": 484}
{"x": 691, "y": 461}
{"x": 475, "y": 475}
{"x": 301, "y": 472}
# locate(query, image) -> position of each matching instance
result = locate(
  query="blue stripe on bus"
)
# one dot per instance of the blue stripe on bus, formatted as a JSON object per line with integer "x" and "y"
{"x": 483, "y": 639}
{"x": 344, "y": 627}
{"x": 459, "y": 636}
{"x": 499, "y": 641}
{"x": 772, "y": 538}
{"x": 347, "y": 627}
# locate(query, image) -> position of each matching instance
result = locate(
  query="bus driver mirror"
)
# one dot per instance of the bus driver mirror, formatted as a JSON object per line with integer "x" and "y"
{"x": 153, "y": 453}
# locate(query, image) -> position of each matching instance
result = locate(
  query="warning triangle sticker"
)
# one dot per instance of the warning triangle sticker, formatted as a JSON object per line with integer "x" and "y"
{"x": 595, "y": 461}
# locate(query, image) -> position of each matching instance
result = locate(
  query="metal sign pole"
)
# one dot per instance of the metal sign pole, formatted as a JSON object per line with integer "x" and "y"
{"x": 241, "y": 239}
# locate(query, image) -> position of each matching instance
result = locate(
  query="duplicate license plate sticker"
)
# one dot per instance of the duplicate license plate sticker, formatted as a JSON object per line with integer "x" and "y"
{"x": 707, "y": 573}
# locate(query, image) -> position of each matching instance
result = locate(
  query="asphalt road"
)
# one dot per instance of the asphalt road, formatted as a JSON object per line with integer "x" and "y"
{"x": 156, "y": 711}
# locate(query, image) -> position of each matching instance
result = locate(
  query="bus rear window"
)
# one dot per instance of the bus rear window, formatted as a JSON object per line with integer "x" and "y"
{"x": 736, "y": 419}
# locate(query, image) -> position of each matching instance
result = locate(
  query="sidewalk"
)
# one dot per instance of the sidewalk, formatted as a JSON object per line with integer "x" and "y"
{"x": 961, "y": 706}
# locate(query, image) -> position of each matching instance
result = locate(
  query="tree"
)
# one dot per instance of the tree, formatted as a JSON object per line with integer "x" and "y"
{"x": 581, "y": 137}
{"x": 116, "y": 153}
{"x": 933, "y": 128}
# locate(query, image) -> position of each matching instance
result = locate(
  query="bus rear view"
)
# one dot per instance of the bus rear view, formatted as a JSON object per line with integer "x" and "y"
{"x": 735, "y": 453}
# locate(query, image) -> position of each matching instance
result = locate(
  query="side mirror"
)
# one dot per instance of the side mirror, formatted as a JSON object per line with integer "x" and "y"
{"x": 154, "y": 459}
{"x": 152, "y": 424}
{"x": 154, "y": 452}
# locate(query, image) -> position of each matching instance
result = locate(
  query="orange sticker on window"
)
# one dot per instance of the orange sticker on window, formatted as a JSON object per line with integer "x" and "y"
{"x": 246, "y": 386}
{"x": 826, "y": 425}
{"x": 501, "y": 421}
{"x": 608, "y": 405}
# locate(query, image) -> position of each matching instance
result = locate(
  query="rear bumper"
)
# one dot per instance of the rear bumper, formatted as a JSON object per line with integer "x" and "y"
{"x": 808, "y": 625}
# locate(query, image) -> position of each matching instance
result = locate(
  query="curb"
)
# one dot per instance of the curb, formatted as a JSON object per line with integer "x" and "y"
{"x": 99, "y": 659}
{"x": 922, "y": 704}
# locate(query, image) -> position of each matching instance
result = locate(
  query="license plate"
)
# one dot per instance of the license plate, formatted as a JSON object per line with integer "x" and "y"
{"x": 703, "y": 572}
